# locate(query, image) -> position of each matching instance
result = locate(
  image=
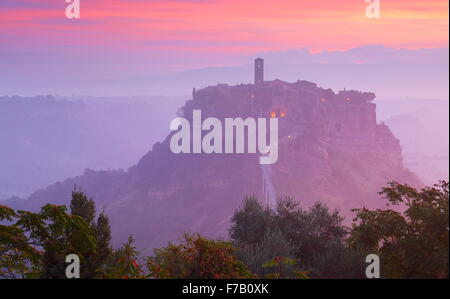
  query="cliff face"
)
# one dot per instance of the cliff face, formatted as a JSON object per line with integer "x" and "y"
{"x": 331, "y": 149}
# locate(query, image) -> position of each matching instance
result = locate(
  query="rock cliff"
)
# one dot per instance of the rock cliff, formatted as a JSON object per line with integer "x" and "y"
{"x": 331, "y": 149}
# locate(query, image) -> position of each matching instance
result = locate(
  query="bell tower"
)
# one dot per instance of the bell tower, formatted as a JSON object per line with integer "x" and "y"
{"x": 259, "y": 71}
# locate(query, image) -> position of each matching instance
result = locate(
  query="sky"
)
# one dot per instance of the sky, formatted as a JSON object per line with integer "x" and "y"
{"x": 144, "y": 37}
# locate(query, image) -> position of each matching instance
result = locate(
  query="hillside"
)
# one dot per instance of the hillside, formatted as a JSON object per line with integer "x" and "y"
{"x": 331, "y": 149}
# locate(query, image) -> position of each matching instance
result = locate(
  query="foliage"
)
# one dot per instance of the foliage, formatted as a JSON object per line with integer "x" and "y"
{"x": 35, "y": 244}
{"x": 339, "y": 262}
{"x": 197, "y": 257}
{"x": 411, "y": 238}
{"x": 102, "y": 233}
{"x": 288, "y": 233}
{"x": 412, "y": 242}
{"x": 251, "y": 222}
{"x": 124, "y": 262}
{"x": 274, "y": 245}
{"x": 85, "y": 207}
{"x": 311, "y": 231}
{"x": 16, "y": 250}
{"x": 283, "y": 267}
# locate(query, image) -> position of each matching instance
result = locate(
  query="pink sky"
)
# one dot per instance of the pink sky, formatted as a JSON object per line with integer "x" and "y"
{"x": 202, "y": 30}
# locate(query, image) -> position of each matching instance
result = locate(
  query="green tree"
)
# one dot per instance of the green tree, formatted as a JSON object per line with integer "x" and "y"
{"x": 35, "y": 244}
{"x": 338, "y": 262}
{"x": 311, "y": 231}
{"x": 281, "y": 267}
{"x": 17, "y": 252}
{"x": 303, "y": 235}
{"x": 272, "y": 257}
{"x": 250, "y": 222}
{"x": 85, "y": 207}
{"x": 412, "y": 239}
{"x": 57, "y": 234}
{"x": 197, "y": 257}
{"x": 102, "y": 232}
{"x": 124, "y": 263}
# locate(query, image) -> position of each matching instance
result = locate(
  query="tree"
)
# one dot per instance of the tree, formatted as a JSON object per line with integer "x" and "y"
{"x": 303, "y": 236}
{"x": 17, "y": 253}
{"x": 102, "y": 232}
{"x": 281, "y": 267}
{"x": 411, "y": 240}
{"x": 85, "y": 207}
{"x": 57, "y": 234}
{"x": 36, "y": 244}
{"x": 311, "y": 231}
{"x": 338, "y": 262}
{"x": 271, "y": 258}
{"x": 124, "y": 262}
{"x": 197, "y": 257}
{"x": 250, "y": 222}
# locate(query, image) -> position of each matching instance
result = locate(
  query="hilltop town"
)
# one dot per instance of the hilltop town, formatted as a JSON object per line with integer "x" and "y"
{"x": 331, "y": 149}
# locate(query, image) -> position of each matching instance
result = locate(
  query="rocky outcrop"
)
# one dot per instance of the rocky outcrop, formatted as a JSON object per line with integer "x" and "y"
{"x": 331, "y": 149}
